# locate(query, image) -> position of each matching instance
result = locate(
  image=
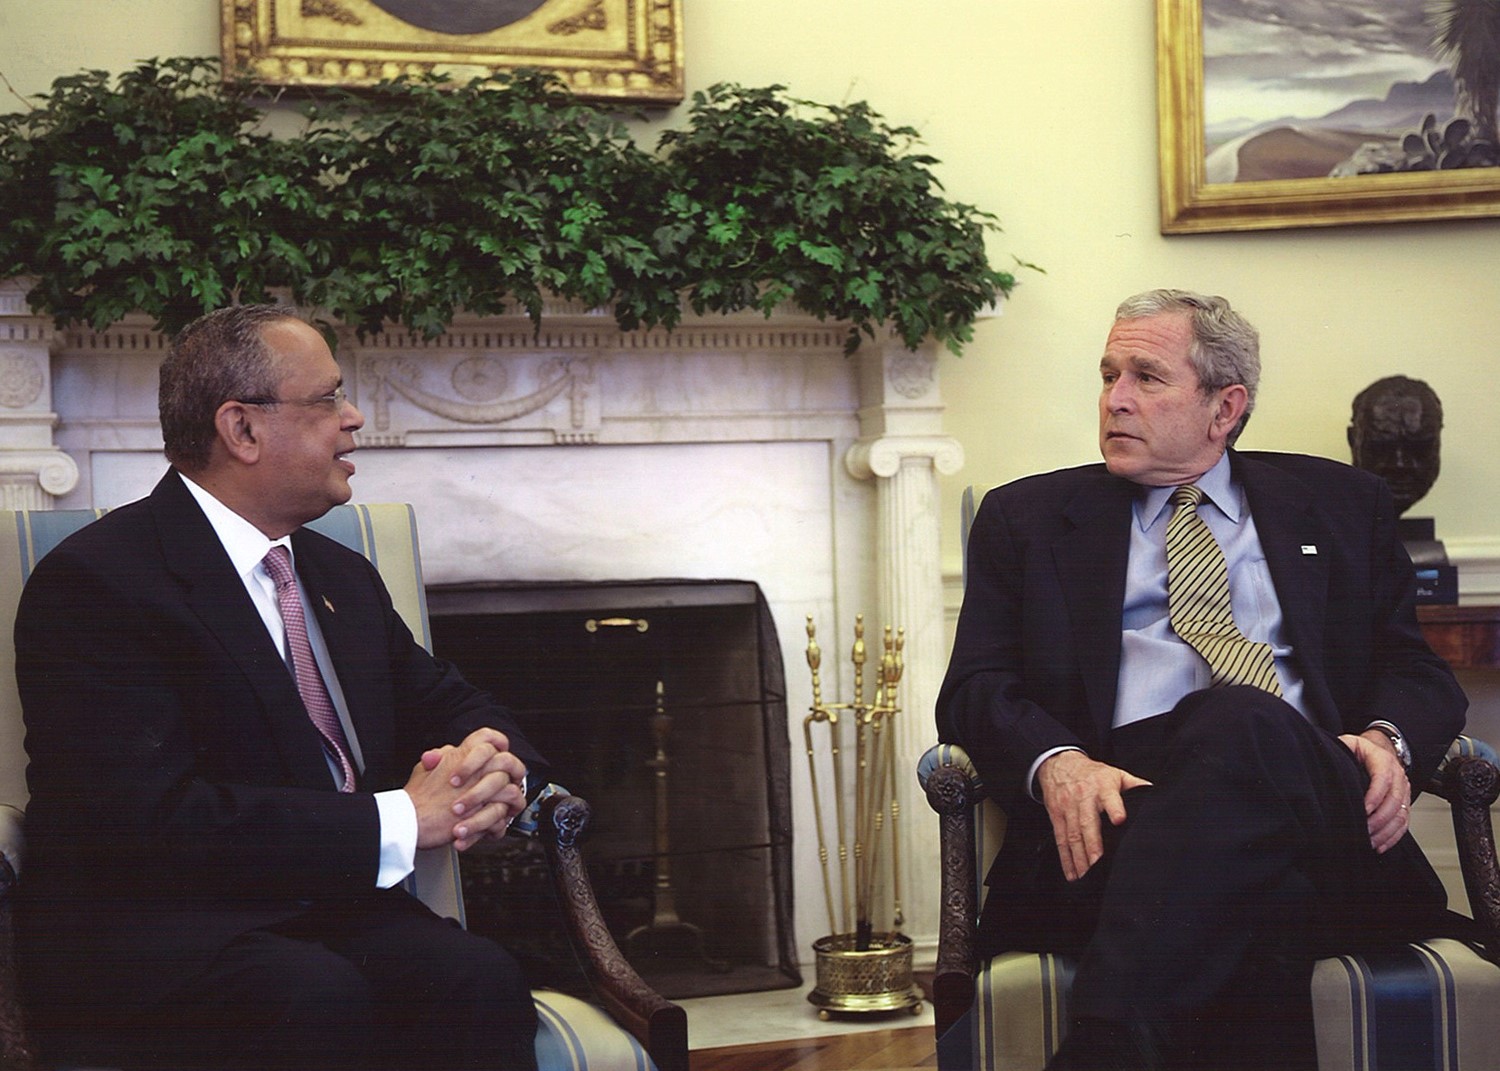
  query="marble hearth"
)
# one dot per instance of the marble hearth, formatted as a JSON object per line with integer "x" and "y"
{"x": 731, "y": 448}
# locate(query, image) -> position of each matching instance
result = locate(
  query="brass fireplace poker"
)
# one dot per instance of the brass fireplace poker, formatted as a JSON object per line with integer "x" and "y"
{"x": 860, "y": 969}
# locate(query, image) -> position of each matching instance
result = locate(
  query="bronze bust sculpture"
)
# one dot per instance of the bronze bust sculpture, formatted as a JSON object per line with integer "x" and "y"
{"x": 1396, "y": 432}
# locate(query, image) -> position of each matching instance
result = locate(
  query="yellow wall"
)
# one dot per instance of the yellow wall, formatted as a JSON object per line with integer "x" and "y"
{"x": 1043, "y": 111}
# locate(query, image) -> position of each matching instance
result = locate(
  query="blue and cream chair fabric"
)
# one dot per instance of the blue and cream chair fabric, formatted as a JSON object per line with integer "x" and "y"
{"x": 573, "y": 1035}
{"x": 1431, "y": 1006}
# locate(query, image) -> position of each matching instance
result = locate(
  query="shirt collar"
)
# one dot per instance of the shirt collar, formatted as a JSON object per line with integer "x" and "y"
{"x": 245, "y": 544}
{"x": 1218, "y": 486}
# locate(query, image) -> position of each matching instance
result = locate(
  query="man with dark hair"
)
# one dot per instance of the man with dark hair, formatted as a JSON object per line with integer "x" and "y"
{"x": 237, "y": 747}
{"x": 1194, "y": 679}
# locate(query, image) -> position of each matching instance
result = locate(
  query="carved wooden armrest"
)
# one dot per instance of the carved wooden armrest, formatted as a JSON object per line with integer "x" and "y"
{"x": 657, "y": 1023}
{"x": 15, "y": 1050}
{"x": 953, "y": 796}
{"x": 1471, "y": 785}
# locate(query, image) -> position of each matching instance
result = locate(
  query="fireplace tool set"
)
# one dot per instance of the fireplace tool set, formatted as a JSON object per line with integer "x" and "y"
{"x": 859, "y": 969}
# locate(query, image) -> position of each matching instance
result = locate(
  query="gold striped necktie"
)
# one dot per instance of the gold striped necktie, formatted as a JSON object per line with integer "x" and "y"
{"x": 1198, "y": 600}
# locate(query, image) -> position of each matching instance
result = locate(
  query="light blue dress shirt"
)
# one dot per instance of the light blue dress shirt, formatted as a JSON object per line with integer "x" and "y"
{"x": 1157, "y": 667}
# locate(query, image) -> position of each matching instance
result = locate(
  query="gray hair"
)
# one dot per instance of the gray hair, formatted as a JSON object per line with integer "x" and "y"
{"x": 217, "y": 358}
{"x": 1225, "y": 348}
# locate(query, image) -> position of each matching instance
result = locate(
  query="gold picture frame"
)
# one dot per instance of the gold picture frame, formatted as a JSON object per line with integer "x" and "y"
{"x": 1192, "y": 204}
{"x": 625, "y": 50}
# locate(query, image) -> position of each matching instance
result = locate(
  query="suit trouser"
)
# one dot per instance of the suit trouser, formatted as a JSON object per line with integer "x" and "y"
{"x": 1248, "y": 855}
{"x": 375, "y": 984}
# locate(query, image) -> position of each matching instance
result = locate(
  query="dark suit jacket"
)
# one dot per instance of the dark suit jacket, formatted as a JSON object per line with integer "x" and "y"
{"x": 179, "y": 794}
{"x": 1036, "y": 657}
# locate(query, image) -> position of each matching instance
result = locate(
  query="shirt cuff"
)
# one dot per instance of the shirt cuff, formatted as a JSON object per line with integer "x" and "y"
{"x": 398, "y": 836}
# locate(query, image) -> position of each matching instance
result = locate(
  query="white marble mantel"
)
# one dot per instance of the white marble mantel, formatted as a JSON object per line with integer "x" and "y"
{"x": 731, "y": 447}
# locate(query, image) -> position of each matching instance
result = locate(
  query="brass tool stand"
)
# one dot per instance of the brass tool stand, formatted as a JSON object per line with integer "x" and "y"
{"x": 860, "y": 970}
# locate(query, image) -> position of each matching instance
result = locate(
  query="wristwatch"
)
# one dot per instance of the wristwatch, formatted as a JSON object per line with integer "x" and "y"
{"x": 1403, "y": 752}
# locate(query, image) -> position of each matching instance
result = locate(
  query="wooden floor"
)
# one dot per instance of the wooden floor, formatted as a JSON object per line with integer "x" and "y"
{"x": 904, "y": 1049}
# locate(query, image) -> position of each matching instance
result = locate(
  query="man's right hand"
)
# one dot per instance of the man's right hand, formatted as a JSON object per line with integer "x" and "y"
{"x": 1076, "y": 790}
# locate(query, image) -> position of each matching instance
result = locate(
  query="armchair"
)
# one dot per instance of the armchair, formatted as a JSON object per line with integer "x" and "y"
{"x": 641, "y": 1030}
{"x": 1425, "y": 1005}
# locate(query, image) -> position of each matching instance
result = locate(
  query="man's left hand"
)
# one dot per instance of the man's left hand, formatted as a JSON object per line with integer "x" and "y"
{"x": 1388, "y": 799}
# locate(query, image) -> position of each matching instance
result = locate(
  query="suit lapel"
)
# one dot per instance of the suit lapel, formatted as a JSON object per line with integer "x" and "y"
{"x": 1091, "y": 561}
{"x": 214, "y": 593}
{"x": 1297, "y": 545}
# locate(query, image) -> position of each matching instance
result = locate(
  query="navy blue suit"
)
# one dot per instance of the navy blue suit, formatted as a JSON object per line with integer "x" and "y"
{"x": 179, "y": 793}
{"x": 1037, "y": 656}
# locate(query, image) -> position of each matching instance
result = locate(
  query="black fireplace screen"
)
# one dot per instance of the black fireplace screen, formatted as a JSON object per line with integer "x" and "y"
{"x": 663, "y": 703}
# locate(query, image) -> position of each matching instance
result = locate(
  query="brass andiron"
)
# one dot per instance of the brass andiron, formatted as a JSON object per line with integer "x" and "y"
{"x": 664, "y": 917}
{"x": 859, "y": 968}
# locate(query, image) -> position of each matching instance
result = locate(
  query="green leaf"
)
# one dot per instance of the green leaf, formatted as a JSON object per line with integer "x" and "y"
{"x": 822, "y": 254}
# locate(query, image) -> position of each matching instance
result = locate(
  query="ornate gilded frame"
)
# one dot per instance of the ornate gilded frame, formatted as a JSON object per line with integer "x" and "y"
{"x": 1191, "y": 204}
{"x": 626, "y": 50}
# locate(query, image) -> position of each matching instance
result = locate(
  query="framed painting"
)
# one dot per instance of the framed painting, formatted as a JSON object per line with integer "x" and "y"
{"x": 1316, "y": 113}
{"x": 626, "y": 50}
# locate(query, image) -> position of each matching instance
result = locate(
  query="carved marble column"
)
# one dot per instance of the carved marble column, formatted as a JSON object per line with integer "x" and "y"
{"x": 903, "y": 449}
{"x": 33, "y": 470}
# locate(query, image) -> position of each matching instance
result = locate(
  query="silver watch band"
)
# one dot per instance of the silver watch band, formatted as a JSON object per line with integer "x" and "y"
{"x": 1403, "y": 750}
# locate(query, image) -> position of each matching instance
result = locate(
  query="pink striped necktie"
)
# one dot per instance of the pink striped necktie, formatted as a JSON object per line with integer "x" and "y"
{"x": 309, "y": 681}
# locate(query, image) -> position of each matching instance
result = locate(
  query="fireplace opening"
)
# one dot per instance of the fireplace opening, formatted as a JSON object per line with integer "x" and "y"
{"x": 663, "y": 704}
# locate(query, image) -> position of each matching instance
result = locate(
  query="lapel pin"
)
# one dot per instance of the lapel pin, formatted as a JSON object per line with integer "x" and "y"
{"x": 1307, "y": 548}
{"x": 331, "y": 610}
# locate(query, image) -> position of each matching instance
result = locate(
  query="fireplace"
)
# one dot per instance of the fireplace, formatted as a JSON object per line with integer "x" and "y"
{"x": 733, "y": 446}
{"x": 664, "y": 705}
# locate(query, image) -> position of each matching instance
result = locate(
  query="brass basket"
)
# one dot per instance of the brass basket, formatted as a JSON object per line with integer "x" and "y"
{"x": 876, "y": 980}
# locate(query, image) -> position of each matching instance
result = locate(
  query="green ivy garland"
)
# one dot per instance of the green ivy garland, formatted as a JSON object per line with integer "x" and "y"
{"x": 161, "y": 191}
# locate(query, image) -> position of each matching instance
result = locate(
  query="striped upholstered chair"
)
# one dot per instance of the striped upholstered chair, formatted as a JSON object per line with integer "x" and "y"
{"x": 1432, "y": 1006}
{"x": 641, "y": 1030}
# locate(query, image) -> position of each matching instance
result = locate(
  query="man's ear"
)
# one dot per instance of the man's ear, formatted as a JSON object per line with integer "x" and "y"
{"x": 239, "y": 432}
{"x": 1229, "y": 407}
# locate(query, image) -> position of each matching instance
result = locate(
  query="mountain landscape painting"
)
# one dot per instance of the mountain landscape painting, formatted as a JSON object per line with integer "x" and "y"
{"x": 1296, "y": 89}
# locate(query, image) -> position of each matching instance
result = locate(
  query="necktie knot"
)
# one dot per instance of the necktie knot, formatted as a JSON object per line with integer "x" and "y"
{"x": 1189, "y": 494}
{"x": 278, "y": 564}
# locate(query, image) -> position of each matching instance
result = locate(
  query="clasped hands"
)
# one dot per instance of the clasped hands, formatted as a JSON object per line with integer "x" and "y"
{"x": 466, "y": 792}
{"x": 1078, "y": 790}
